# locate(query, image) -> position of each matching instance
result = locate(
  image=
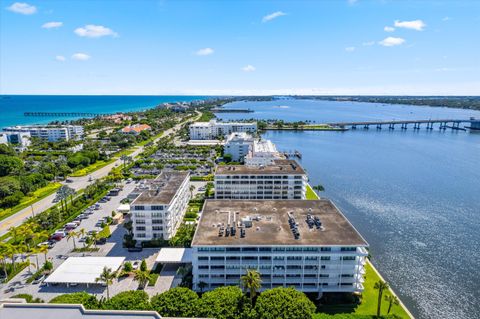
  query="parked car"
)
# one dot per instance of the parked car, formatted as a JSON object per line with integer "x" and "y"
{"x": 49, "y": 244}
{"x": 97, "y": 206}
{"x": 135, "y": 264}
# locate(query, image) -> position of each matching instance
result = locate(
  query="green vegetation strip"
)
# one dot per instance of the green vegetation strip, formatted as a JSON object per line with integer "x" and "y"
{"x": 39, "y": 194}
{"x": 310, "y": 194}
{"x": 91, "y": 168}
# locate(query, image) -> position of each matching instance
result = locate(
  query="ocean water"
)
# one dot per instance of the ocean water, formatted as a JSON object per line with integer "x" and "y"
{"x": 414, "y": 195}
{"x": 12, "y": 107}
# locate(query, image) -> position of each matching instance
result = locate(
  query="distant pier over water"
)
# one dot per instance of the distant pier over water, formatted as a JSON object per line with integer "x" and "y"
{"x": 62, "y": 114}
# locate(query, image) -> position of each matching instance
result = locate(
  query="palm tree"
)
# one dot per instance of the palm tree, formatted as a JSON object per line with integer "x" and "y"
{"x": 72, "y": 235}
{"x": 142, "y": 276}
{"x": 82, "y": 233}
{"x": 14, "y": 232}
{"x": 192, "y": 188}
{"x": 381, "y": 286}
{"x": 202, "y": 285}
{"x": 106, "y": 277}
{"x": 392, "y": 300}
{"x": 37, "y": 251}
{"x": 30, "y": 264}
{"x": 252, "y": 281}
{"x": 319, "y": 188}
{"x": 94, "y": 237}
{"x": 3, "y": 257}
{"x": 43, "y": 250}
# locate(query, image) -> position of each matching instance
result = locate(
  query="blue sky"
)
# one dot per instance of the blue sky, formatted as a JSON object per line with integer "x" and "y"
{"x": 240, "y": 47}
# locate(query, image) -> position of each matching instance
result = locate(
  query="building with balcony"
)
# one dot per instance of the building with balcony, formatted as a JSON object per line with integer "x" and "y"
{"x": 262, "y": 152}
{"x": 159, "y": 206}
{"x": 306, "y": 244}
{"x": 212, "y": 130}
{"x": 51, "y": 133}
{"x": 19, "y": 140}
{"x": 238, "y": 145}
{"x": 283, "y": 179}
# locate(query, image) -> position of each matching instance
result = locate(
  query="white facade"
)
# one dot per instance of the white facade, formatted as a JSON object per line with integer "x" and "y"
{"x": 20, "y": 140}
{"x": 306, "y": 268}
{"x": 262, "y": 152}
{"x": 213, "y": 129}
{"x": 305, "y": 244}
{"x": 284, "y": 181}
{"x": 237, "y": 145}
{"x": 159, "y": 209}
{"x": 51, "y": 133}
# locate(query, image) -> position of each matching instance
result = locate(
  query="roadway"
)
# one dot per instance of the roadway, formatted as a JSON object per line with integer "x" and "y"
{"x": 77, "y": 184}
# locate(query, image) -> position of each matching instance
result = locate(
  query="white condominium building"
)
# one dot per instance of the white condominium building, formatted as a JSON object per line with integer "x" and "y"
{"x": 283, "y": 179}
{"x": 306, "y": 244}
{"x": 51, "y": 133}
{"x": 213, "y": 129}
{"x": 158, "y": 210}
{"x": 20, "y": 140}
{"x": 237, "y": 145}
{"x": 262, "y": 152}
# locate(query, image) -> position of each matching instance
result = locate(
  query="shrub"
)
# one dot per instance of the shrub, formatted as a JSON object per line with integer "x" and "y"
{"x": 277, "y": 302}
{"x": 28, "y": 298}
{"x": 127, "y": 267}
{"x": 222, "y": 303}
{"x": 176, "y": 302}
{"x": 128, "y": 300}
{"x": 87, "y": 300}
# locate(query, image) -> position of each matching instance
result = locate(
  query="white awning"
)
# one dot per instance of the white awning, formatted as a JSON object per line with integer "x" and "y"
{"x": 83, "y": 270}
{"x": 174, "y": 256}
{"x": 124, "y": 208}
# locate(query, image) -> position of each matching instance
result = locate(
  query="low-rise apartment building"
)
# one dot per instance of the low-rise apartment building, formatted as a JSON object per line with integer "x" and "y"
{"x": 213, "y": 129}
{"x": 283, "y": 179}
{"x": 262, "y": 152}
{"x": 51, "y": 133}
{"x": 238, "y": 145}
{"x": 306, "y": 244}
{"x": 158, "y": 209}
{"x": 19, "y": 140}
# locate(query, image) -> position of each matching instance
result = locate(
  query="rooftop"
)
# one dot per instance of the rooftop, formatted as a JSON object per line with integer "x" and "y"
{"x": 169, "y": 255}
{"x": 83, "y": 270}
{"x": 161, "y": 190}
{"x": 278, "y": 167}
{"x": 270, "y": 224}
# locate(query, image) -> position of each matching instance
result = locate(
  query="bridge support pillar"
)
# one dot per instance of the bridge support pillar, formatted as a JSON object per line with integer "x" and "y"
{"x": 379, "y": 126}
{"x": 366, "y": 127}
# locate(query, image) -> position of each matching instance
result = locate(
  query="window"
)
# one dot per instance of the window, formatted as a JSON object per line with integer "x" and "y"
{"x": 138, "y": 207}
{"x": 156, "y": 207}
{"x": 348, "y": 258}
{"x": 140, "y": 222}
{"x": 157, "y": 228}
{"x": 325, "y": 258}
{"x": 142, "y": 228}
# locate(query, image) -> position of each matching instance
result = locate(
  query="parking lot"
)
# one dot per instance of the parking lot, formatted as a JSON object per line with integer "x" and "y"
{"x": 63, "y": 249}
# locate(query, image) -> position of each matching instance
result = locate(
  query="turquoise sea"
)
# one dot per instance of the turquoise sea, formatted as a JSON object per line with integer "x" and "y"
{"x": 12, "y": 107}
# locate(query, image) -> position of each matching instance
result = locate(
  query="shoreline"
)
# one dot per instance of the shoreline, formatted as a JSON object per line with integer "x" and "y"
{"x": 400, "y": 303}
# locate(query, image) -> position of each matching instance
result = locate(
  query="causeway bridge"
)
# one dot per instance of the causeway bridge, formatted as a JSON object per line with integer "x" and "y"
{"x": 61, "y": 114}
{"x": 453, "y": 124}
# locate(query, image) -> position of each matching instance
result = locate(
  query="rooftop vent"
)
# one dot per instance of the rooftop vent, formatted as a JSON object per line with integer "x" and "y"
{"x": 293, "y": 225}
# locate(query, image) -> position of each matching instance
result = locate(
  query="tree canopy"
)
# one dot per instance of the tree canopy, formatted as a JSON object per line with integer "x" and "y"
{"x": 222, "y": 303}
{"x": 284, "y": 303}
{"x": 87, "y": 300}
{"x": 128, "y": 300}
{"x": 176, "y": 302}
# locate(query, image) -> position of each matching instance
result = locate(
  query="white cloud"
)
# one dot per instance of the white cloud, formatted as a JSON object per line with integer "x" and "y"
{"x": 351, "y": 2}
{"x": 81, "y": 56}
{"x": 52, "y": 25}
{"x": 60, "y": 58}
{"x": 350, "y": 49}
{"x": 95, "y": 31}
{"x": 273, "y": 15}
{"x": 368, "y": 43}
{"x": 22, "y": 8}
{"x": 388, "y": 29}
{"x": 391, "y": 41}
{"x": 248, "y": 68}
{"x": 418, "y": 25}
{"x": 446, "y": 19}
{"x": 205, "y": 51}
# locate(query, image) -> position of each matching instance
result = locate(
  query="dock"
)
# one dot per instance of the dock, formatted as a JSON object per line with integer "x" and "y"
{"x": 222, "y": 110}
{"x": 61, "y": 114}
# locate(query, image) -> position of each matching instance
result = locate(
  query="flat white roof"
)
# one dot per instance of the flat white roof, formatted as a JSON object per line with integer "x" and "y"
{"x": 123, "y": 208}
{"x": 174, "y": 256}
{"x": 83, "y": 270}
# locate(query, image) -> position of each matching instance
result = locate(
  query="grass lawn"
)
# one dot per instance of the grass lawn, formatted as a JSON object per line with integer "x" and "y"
{"x": 311, "y": 195}
{"x": 124, "y": 152}
{"x": 91, "y": 168}
{"x": 29, "y": 200}
{"x": 368, "y": 305}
